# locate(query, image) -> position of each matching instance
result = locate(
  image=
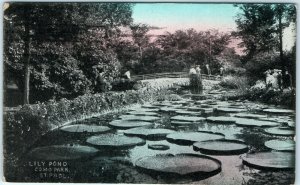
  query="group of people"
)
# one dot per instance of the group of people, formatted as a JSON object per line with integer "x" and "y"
{"x": 197, "y": 70}
{"x": 275, "y": 79}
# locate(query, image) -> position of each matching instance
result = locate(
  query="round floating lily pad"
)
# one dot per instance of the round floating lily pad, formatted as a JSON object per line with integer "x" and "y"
{"x": 281, "y": 131}
{"x": 162, "y": 104}
{"x": 144, "y": 110}
{"x": 150, "y": 106}
{"x": 198, "y": 97}
{"x": 159, "y": 147}
{"x": 139, "y": 118}
{"x": 120, "y": 124}
{"x": 279, "y": 111}
{"x": 181, "y": 102}
{"x": 205, "y": 105}
{"x": 148, "y": 133}
{"x": 185, "y": 112}
{"x": 215, "y": 92}
{"x": 208, "y": 110}
{"x": 81, "y": 128}
{"x": 180, "y": 165}
{"x": 230, "y": 110}
{"x": 251, "y": 116}
{"x": 221, "y": 147}
{"x": 281, "y": 145}
{"x": 270, "y": 160}
{"x": 143, "y": 113}
{"x": 188, "y": 138}
{"x": 182, "y": 123}
{"x": 221, "y": 119}
{"x": 114, "y": 141}
{"x": 196, "y": 109}
{"x": 254, "y": 123}
{"x": 188, "y": 118}
{"x": 168, "y": 109}
{"x": 62, "y": 152}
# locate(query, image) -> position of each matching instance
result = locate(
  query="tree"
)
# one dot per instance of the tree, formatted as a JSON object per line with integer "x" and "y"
{"x": 260, "y": 27}
{"x": 190, "y": 47}
{"x": 284, "y": 15}
{"x": 255, "y": 25}
{"x": 41, "y": 37}
{"x": 140, "y": 37}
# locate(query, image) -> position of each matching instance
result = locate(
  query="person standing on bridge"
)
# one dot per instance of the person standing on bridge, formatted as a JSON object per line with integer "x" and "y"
{"x": 127, "y": 75}
{"x": 208, "y": 69}
{"x": 221, "y": 71}
{"x": 198, "y": 70}
{"x": 192, "y": 71}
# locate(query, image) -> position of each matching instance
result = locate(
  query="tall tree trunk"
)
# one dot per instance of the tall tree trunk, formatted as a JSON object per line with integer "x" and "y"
{"x": 27, "y": 41}
{"x": 280, "y": 39}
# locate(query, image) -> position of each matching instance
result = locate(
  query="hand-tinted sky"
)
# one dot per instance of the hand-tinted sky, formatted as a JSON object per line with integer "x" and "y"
{"x": 200, "y": 16}
{"x": 174, "y": 16}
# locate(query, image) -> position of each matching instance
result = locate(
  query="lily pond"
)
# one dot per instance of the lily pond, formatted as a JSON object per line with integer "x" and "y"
{"x": 197, "y": 139}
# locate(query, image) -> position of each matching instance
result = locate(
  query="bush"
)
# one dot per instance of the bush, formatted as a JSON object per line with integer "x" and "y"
{"x": 238, "y": 71}
{"x": 123, "y": 85}
{"x": 235, "y": 82}
{"x": 260, "y": 63}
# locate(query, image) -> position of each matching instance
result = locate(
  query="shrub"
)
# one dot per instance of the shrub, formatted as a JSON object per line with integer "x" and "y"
{"x": 123, "y": 85}
{"x": 261, "y": 63}
{"x": 235, "y": 82}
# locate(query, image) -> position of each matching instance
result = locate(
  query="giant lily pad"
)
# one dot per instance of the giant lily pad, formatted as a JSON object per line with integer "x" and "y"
{"x": 169, "y": 109}
{"x": 195, "y": 108}
{"x": 250, "y": 116}
{"x": 62, "y": 152}
{"x": 182, "y": 123}
{"x": 144, "y": 109}
{"x": 159, "y": 147}
{"x": 186, "y": 112}
{"x": 114, "y": 141}
{"x": 188, "y": 118}
{"x": 221, "y": 147}
{"x": 270, "y": 160}
{"x": 188, "y": 138}
{"x": 279, "y": 111}
{"x": 281, "y": 131}
{"x": 82, "y": 128}
{"x": 139, "y": 118}
{"x": 120, "y": 124}
{"x": 155, "y": 133}
{"x": 198, "y": 97}
{"x": 149, "y": 106}
{"x": 281, "y": 145}
{"x": 180, "y": 165}
{"x": 254, "y": 123}
{"x": 230, "y": 110}
{"x": 221, "y": 119}
{"x": 143, "y": 113}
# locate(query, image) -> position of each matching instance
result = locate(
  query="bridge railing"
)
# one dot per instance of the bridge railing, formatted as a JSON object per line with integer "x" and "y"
{"x": 172, "y": 75}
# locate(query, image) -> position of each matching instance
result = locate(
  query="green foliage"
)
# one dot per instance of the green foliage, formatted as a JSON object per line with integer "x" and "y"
{"x": 123, "y": 85}
{"x": 173, "y": 52}
{"x": 260, "y": 63}
{"x": 69, "y": 46}
{"x": 235, "y": 82}
{"x": 260, "y": 26}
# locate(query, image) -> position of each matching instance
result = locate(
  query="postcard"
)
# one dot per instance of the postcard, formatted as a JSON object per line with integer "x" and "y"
{"x": 149, "y": 93}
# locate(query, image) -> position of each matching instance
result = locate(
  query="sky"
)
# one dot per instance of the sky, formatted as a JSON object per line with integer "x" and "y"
{"x": 201, "y": 17}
